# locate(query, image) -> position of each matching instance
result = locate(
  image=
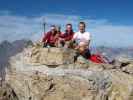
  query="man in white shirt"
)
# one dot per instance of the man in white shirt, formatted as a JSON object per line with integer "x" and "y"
{"x": 82, "y": 35}
{"x": 82, "y": 39}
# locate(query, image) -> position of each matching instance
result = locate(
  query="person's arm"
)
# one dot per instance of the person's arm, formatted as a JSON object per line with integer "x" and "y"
{"x": 89, "y": 39}
{"x": 69, "y": 37}
{"x": 74, "y": 37}
{"x": 74, "y": 41}
{"x": 45, "y": 38}
{"x": 62, "y": 35}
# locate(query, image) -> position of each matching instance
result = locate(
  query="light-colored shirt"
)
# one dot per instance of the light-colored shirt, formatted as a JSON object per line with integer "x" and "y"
{"x": 82, "y": 37}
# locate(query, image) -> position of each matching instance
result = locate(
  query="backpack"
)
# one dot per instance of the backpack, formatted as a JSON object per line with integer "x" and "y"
{"x": 97, "y": 58}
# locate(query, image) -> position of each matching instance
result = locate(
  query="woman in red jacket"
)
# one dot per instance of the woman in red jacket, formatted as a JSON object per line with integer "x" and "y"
{"x": 51, "y": 38}
{"x": 66, "y": 37}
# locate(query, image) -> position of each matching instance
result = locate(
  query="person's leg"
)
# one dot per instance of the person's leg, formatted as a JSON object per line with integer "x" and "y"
{"x": 51, "y": 44}
{"x": 71, "y": 44}
{"x": 61, "y": 43}
{"x": 87, "y": 54}
{"x": 45, "y": 45}
{"x": 76, "y": 56}
{"x": 67, "y": 44}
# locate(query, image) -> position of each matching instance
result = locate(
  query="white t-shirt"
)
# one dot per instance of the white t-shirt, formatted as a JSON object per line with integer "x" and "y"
{"x": 82, "y": 37}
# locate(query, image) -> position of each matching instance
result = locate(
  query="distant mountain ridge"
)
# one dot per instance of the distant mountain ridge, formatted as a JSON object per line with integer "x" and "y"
{"x": 8, "y": 49}
{"x": 113, "y": 52}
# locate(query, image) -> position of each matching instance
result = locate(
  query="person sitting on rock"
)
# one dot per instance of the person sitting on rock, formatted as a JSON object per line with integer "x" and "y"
{"x": 82, "y": 40}
{"x": 66, "y": 37}
{"x": 51, "y": 38}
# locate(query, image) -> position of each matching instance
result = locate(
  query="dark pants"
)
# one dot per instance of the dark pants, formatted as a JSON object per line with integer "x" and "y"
{"x": 86, "y": 54}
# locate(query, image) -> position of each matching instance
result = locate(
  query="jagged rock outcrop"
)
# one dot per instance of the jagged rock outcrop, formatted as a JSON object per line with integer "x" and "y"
{"x": 7, "y": 93}
{"x": 82, "y": 80}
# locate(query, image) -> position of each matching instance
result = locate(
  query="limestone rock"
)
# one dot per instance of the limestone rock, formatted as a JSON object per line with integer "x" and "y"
{"x": 125, "y": 60}
{"x": 128, "y": 69}
{"x": 7, "y": 93}
{"x": 51, "y": 56}
{"x": 94, "y": 82}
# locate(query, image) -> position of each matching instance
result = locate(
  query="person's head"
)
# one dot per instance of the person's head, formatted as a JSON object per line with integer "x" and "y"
{"x": 53, "y": 29}
{"x": 82, "y": 27}
{"x": 69, "y": 27}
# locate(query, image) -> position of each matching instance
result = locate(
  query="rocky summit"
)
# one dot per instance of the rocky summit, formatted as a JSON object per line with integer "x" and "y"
{"x": 51, "y": 74}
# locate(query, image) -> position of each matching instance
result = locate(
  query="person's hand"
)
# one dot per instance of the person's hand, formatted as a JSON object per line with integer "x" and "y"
{"x": 76, "y": 47}
{"x": 61, "y": 39}
{"x": 81, "y": 50}
{"x": 56, "y": 36}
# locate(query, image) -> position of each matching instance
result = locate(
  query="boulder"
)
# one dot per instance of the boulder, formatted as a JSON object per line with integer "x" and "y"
{"x": 51, "y": 56}
{"x": 40, "y": 82}
{"x": 125, "y": 59}
{"x": 128, "y": 69}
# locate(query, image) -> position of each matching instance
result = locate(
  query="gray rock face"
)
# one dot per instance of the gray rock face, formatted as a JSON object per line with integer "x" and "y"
{"x": 82, "y": 80}
{"x": 9, "y": 49}
{"x": 52, "y": 56}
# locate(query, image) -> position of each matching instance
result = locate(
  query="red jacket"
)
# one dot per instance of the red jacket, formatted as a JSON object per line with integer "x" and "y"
{"x": 50, "y": 38}
{"x": 67, "y": 36}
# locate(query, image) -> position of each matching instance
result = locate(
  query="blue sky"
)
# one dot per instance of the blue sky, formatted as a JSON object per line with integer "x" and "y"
{"x": 109, "y": 21}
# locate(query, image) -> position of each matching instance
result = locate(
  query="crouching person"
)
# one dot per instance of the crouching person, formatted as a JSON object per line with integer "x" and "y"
{"x": 51, "y": 38}
{"x": 65, "y": 39}
{"x": 82, "y": 40}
